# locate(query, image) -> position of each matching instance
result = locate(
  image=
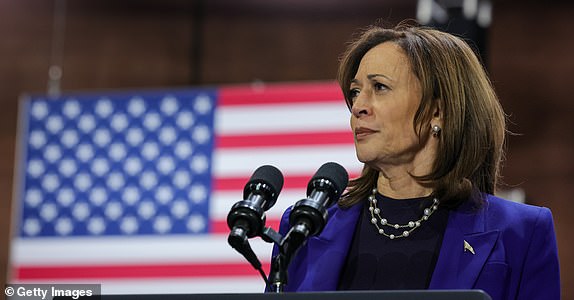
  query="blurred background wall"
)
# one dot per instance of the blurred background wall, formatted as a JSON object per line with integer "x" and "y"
{"x": 109, "y": 44}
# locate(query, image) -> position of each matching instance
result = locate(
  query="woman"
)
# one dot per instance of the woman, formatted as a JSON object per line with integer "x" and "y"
{"x": 430, "y": 132}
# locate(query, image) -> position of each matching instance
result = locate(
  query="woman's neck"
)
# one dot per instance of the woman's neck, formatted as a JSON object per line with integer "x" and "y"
{"x": 396, "y": 182}
{"x": 396, "y": 177}
{"x": 401, "y": 187}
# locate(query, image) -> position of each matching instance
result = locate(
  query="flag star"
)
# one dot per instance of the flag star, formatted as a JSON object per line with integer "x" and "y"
{"x": 98, "y": 196}
{"x": 71, "y": 109}
{"x": 115, "y": 181}
{"x": 64, "y": 226}
{"x": 50, "y": 182}
{"x": 183, "y": 149}
{"x": 199, "y": 163}
{"x": 100, "y": 166}
{"x": 136, "y": 106}
{"x": 184, "y": 120}
{"x": 104, "y": 108}
{"x": 201, "y": 134}
{"x": 162, "y": 224}
{"x": 164, "y": 194}
{"x": 39, "y": 110}
{"x": 32, "y": 227}
{"x": 102, "y": 137}
{"x": 146, "y": 209}
{"x": 37, "y": 139}
{"x": 202, "y": 104}
{"x": 69, "y": 138}
{"x": 113, "y": 211}
{"x": 132, "y": 166}
{"x": 83, "y": 182}
{"x": 180, "y": 208}
{"x": 67, "y": 167}
{"x": 167, "y": 135}
{"x": 181, "y": 179}
{"x": 129, "y": 225}
{"x": 54, "y": 124}
{"x": 65, "y": 197}
{"x": 36, "y": 168}
{"x": 86, "y": 123}
{"x": 131, "y": 195}
{"x": 81, "y": 211}
{"x": 48, "y": 212}
{"x": 169, "y": 105}
{"x": 134, "y": 136}
{"x": 33, "y": 197}
{"x": 117, "y": 151}
{"x": 165, "y": 165}
{"x": 85, "y": 152}
{"x": 52, "y": 153}
{"x": 152, "y": 121}
{"x": 96, "y": 225}
{"x": 198, "y": 193}
{"x": 119, "y": 122}
{"x": 148, "y": 180}
{"x": 196, "y": 223}
{"x": 150, "y": 150}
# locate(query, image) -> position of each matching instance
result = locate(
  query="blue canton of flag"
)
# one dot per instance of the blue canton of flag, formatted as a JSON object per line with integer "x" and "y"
{"x": 117, "y": 165}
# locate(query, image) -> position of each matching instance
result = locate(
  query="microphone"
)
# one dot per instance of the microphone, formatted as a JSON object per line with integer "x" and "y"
{"x": 246, "y": 218}
{"x": 309, "y": 216}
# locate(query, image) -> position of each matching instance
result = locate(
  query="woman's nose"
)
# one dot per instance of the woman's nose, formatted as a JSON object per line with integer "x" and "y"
{"x": 361, "y": 107}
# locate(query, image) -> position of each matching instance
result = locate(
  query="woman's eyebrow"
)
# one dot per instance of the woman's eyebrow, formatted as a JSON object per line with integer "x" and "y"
{"x": 371, "y": 76}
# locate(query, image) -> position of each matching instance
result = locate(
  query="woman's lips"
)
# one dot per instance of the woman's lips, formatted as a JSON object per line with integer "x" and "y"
{"x": 363, "y": 132}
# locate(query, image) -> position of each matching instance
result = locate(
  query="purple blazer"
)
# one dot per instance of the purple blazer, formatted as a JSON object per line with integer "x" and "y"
{"x": 515, "y": 254}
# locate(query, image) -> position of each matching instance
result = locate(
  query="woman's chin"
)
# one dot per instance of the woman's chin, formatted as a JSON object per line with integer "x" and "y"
{"x": 365, "y": 158}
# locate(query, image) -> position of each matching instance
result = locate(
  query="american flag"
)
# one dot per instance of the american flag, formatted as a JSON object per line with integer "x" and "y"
{"x": 131, "y": 189}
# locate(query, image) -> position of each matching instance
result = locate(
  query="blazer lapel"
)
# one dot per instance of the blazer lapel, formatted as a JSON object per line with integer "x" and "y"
{"x": 330, "y": 248}
{"x": 465, "y": 248}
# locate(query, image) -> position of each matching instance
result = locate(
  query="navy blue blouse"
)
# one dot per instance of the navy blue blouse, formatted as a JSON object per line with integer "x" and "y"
{"x": 375, "y": 262}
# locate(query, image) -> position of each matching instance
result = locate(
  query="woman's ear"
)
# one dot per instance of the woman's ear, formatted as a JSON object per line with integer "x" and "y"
{"x": 436, "y": 121}
{"x": 437, "y": 110}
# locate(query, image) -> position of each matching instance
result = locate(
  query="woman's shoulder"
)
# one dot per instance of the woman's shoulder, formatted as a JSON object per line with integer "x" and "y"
{"x": 502, "y": 211}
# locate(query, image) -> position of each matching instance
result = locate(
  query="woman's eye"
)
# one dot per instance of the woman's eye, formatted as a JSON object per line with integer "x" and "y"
{"x": 380, "y": 87}
{"x": 354, "y": 93}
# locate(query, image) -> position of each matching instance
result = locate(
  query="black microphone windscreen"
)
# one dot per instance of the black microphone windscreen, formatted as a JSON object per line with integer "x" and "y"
{"x": 333, "y": 172}
{"x": 269, "y": 175}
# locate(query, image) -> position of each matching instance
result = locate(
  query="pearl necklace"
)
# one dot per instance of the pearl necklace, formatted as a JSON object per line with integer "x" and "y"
{"x": 379, "y": 221}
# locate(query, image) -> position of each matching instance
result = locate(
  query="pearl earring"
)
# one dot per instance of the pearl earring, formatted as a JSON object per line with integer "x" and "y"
{"x": 436, "y": 130}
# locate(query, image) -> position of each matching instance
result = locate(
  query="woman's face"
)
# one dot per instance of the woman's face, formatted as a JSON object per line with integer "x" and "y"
{"x": 385, "y": 94}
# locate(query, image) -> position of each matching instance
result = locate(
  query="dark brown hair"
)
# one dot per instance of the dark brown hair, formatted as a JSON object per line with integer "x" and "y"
{"x": 470, "y": 148}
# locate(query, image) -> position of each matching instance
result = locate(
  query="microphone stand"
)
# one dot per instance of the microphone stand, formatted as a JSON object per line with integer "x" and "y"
{"x": 288, "y": 247}
{"x": 238, "y": 240}
{"x": 278, "y": 276}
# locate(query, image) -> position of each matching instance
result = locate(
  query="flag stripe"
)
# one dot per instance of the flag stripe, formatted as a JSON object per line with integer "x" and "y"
{"x": 220, "y": 285}
{"x": 280, "y": 93}
{"x": 281, "y": 118}
{"x": 171, "y": 249}
{"x": 296, "y": 160}
{"x": 139, "y": 271}
{"x": 290, "y": 182}
{"x": 220, "y": 226}
{"x": 286, "y": 139}
{"x": 252, "y": 283}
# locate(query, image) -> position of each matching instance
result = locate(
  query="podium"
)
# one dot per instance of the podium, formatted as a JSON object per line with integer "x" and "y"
{"x": 340, "y": 295}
